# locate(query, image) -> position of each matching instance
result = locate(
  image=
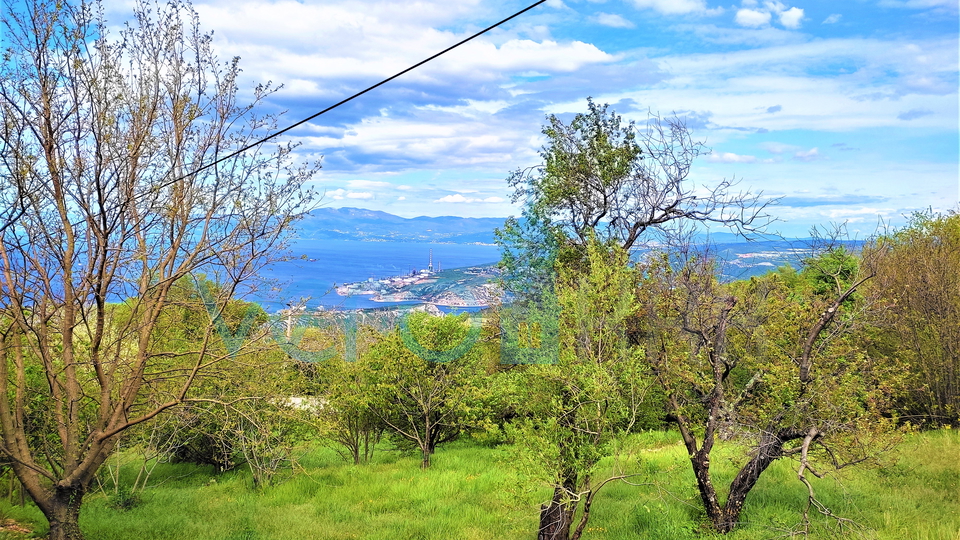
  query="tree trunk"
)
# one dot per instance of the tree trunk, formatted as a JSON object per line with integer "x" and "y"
{"x": 555, "y": 518}
{"x": 63, "y": 512}
{"x": 770, "y": 450}
{"x": 700, "y": 462}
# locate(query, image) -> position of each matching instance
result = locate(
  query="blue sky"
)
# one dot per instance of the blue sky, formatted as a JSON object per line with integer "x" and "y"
{"x": 848, "y": 110}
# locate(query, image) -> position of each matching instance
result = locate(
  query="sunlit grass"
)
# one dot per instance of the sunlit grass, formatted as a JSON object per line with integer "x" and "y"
{"x": 474, "y": 492}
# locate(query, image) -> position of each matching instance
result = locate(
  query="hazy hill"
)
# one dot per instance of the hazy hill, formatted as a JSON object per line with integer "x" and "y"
{"x": 374, "y": 226}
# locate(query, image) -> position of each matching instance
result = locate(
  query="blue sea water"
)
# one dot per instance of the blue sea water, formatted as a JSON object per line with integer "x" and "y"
{"x": 319, "y": 265}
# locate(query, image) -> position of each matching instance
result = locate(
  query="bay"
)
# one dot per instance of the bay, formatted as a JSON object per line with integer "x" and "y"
{"x": 318, "y": 265}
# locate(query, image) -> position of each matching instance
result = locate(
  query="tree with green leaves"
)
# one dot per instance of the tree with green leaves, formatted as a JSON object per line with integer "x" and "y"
{"x": 572, "y": 413}
{"x": 623, "y": 183}
{"x": 104, "y": 201}
{"x": 612, "y": 183}
{"x": 428, "y": 381}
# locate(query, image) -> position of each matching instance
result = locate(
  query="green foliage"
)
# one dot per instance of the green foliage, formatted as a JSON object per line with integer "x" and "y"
{"x": 829, "y": 274}
{"x": 426, "y": 403}
{"x": 347, "y": 416}
{"x": 125, "y": 498}
{"x": 571, "y": 413}
{"x": 766, "y": 362}
{"x": 919, "y": 286}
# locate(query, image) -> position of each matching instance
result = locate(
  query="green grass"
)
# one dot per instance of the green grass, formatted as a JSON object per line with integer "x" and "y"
{"x": 473, "y": 492}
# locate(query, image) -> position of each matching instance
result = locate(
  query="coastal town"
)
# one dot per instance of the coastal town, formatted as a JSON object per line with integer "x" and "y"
{"x": 460, "y": 287}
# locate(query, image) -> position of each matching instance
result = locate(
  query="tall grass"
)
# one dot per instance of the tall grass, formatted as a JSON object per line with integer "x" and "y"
{"x": 474, "y": 492}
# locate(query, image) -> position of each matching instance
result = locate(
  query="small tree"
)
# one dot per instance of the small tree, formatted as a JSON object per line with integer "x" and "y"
{"x": 773, "y": 361}
{"x": 423, "y": 401}
{"x": 100, "y": 204}
{"x": 347, "y": 416}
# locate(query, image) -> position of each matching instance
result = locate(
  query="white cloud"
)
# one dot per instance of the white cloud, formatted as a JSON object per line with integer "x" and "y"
{"x": 791, "y": 18}
{"x": 873, "y": 82}
{"x": 807, "y": 155}
{"x": 752, "y": 18}
{"x": 458, "y": 198}
{"x": 340, "y": 194}
{"x": 305, "y": 45}
{"x": 612, "y": 20}
{"x": 401, "y": 198}
{"x": 833, "y": 19}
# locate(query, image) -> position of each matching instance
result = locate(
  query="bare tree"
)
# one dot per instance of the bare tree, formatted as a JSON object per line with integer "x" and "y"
{"x": 101, "y": 216}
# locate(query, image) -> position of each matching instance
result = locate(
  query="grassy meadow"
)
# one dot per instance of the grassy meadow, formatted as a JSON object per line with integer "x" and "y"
{"x": 476, "y": 492}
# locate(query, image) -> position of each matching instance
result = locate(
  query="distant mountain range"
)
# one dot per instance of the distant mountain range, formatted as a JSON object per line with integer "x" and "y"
{"x": 375, "y": 226}
{"x": 362, "y": 225}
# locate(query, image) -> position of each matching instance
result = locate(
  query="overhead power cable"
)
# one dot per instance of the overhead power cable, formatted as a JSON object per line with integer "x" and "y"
{"x": 354, "y": 96}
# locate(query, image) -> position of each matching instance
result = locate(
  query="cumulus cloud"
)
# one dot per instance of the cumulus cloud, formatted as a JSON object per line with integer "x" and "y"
{"x": 833, "y": 19}
{"x": 752, "y": 18}
{"x": 359, "y": 195}
{"x": 913, "y": 114}
{"x": 750, "y": 15}
{"x": 458, "y": 198}
{"x": 791, "y": 18}
{"x": 612, "y": 20}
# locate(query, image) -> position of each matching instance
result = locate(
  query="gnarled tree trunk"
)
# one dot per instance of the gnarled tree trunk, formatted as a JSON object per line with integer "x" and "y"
{"x": 725, "y": 518}
{"x": 556, "y": 517}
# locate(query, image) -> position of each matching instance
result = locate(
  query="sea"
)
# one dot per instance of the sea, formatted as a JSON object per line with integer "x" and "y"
{"x": 317, "y": 266}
